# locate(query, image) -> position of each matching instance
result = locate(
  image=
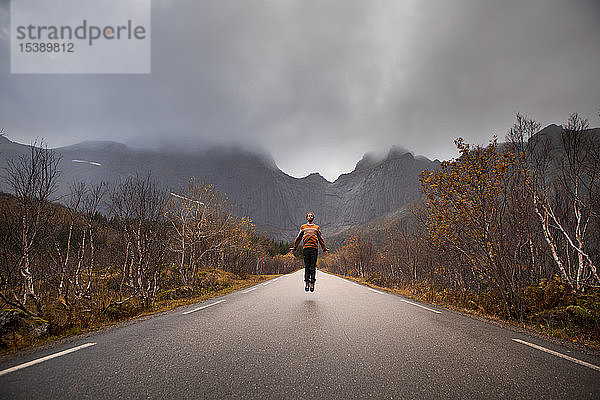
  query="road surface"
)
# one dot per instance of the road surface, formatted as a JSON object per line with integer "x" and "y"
{"x": 275, "y": 341}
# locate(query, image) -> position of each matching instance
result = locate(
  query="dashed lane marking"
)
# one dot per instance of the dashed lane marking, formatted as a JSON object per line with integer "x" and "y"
{"x": 557, "y": 354}
{"x": 249, "y": 290}
{"x": 39, "y": 360}
{"x": 203, "y": 307}
{"x": 406, "y": 301}
{"x": 418, "y": 305}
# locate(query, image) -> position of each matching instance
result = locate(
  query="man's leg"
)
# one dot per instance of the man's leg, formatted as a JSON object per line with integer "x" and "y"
{"x": 313, "y": 266}
{"x": 306, "y": 253}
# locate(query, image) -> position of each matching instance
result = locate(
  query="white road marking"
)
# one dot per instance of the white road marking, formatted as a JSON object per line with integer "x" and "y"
{"x": 87, "y": 162}
{"x": 406, "y": 301}
{"x": 202, "y": 308}
{"x": 39, "y": 360}
{"x": 266, "y": 283}
{"x": 556, "y": 353}
{"x": 418, "y": 305}
{"x": 249, "y": 290}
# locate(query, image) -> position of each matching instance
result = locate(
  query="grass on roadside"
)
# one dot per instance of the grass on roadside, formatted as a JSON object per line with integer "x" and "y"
{"x": 551, "y": 309}
{"x": 63, "y": 325}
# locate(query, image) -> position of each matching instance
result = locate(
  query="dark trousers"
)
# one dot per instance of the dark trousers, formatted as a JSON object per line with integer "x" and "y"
{"x": 310, "y": 263}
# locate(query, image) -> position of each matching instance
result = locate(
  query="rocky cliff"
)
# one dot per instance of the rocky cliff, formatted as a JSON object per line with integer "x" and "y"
{"x": 275, "y": 201}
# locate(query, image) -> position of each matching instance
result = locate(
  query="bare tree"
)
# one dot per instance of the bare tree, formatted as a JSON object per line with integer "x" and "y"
{"x": 564, "y": 174}
{"x": 63, "y": 250}
{"x": 32, "y": 178}
{"x": 205, "y": 231}
{"x": 91, "y": 203}
{"x": 138, "y": 206}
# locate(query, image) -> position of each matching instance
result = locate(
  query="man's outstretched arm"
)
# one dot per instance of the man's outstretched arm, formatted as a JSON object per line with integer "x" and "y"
{"x": 297, "y": 241}
{"x": 321, "y": 241}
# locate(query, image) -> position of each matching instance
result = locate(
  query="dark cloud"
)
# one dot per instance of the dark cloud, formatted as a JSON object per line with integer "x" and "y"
{"x": 318, "y": 83}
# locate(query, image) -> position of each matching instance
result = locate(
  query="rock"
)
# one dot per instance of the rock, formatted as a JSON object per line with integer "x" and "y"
{"x": 16, "y": 321}
{"x": 10, "y": 321}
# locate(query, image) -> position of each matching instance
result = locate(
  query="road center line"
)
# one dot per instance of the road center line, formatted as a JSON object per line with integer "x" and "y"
{"x": 203, "y": 307}
{"x": 418, "y": 305}
{"x": 249, "y": 290}
{"x": 39, "y": 360}
{"x": 556, "y": 353}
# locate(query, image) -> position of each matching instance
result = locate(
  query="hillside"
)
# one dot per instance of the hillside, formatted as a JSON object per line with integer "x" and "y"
{"x": 275, "y": 201}
{"x": 548, "y": 140}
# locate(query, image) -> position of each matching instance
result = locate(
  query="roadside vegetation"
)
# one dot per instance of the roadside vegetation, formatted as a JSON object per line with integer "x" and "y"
{"x": 114, "y": 251}
{"x": 509, "y": 231}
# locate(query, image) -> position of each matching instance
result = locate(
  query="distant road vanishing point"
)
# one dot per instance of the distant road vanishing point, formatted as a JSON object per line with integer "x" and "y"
{"x": 275, "y": 341}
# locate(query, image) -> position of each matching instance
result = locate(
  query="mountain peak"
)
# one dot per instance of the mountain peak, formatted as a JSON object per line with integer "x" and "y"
{"x": 396, "y": 152}
{"x": 367, "y": 161}
{"x": 315, "y": 176}
{"x": 551, "y": 129}
{"x": 371, "y": 159}
{"x": 552, "y": 136}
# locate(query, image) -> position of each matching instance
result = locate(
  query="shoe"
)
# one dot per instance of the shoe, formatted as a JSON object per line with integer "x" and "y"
{"x": 312, "y": 286}
{"x": 306, "y": 287}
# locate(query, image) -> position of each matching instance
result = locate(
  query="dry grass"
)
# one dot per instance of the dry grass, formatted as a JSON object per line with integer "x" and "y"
{"x": 225, "y": 283}
{"x": 587, "y": 338}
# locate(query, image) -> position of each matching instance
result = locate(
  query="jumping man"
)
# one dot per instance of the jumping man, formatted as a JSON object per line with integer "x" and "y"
{"x": 310, "y": 249}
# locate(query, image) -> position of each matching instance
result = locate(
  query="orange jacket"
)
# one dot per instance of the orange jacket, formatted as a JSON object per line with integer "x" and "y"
{"x": 312, "y": 237}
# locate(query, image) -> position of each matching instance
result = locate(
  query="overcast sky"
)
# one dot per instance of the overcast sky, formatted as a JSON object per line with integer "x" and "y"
{"x": 319, "y": 83}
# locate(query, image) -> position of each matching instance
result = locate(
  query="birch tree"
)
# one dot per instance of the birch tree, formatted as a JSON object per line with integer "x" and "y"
{"x": 32, "y": 178}
{"x": 565, "y": 180}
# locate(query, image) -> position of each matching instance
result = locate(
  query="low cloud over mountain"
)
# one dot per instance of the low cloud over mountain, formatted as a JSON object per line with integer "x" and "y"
{"x": 276, "y": 201}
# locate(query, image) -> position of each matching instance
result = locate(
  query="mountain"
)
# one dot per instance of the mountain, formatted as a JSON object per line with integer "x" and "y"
{"x": 275, "y": 201}
{"x": 547, "y": 144}
{"x": 551, "y": 139}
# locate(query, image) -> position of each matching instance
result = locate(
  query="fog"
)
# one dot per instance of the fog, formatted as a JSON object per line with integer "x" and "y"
{"x": 318, "y": 83}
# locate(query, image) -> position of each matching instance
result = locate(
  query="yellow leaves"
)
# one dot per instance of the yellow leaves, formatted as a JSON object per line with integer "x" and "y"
{"x": 463, "y": 197}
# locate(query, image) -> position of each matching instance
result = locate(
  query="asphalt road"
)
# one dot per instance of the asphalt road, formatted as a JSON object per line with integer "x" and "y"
{"x": 276, "y": 341}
